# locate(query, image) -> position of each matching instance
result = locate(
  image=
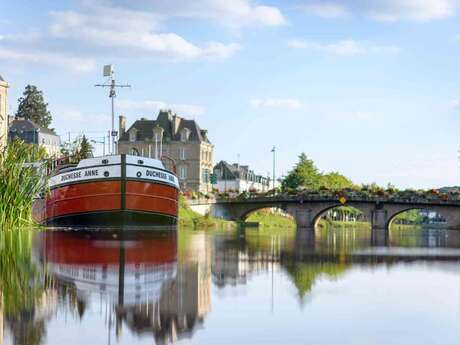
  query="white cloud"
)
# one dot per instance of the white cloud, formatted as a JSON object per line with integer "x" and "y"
{"x": 41, "y": 58}
{"x": 343, "y": 48}
{"x": 234, "y": 13}
{"x": 77, "y": 40}
{"x": 326, "y": 10}
{"x": 287, "y": 103}
{"x": 455, "y": 105}
{"x": 384, "y": 10}
{"x": 150, "y": 106}
{"x": 135, "y": 36}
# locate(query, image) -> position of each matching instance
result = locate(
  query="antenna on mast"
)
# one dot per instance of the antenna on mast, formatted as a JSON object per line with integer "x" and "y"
{"x": 109, "y": 72}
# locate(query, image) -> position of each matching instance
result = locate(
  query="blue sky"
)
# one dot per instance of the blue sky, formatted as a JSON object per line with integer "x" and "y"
{"x": 369, "y": 89}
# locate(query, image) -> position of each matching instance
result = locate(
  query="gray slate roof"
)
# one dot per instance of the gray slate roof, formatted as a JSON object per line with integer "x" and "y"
{"x": 1, "y": 79}
{"x": 29, "y": 126}
{"x": 145, "y": 127}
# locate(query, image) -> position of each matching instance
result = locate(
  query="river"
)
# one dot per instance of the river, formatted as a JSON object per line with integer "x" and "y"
{"x": 347, "y": 286}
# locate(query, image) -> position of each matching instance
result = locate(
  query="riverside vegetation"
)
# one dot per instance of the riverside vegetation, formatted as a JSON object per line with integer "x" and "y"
{"x": 18, "y": 185}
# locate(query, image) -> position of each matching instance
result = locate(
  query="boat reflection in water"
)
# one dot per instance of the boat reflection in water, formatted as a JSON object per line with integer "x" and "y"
{"x": 135, "y": 275}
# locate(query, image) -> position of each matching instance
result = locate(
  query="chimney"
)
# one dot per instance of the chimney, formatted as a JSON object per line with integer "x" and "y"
{"x": 175, "y": 123}
{"x": 158, "y": 139}
{"x": 122, "y": 125}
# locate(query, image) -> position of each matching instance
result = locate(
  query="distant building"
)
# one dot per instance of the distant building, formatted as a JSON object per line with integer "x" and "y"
{"x": 32, "y": 133}
{"x": 3, "y": 112}
{"x": 173, "y": 137}
{"x": 239, "y": 178}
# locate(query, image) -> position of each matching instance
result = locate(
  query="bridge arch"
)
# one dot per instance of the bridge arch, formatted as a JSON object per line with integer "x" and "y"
{"x": 393, "y": 216}
{"x": 248, "y": 212}
{"x": 324, "y": 211}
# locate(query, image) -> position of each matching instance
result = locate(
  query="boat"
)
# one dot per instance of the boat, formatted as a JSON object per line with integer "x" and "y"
{"x": 110, "y": 191}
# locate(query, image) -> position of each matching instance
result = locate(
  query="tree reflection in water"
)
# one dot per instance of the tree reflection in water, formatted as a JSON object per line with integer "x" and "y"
{"x": 160, "y": 284}
{"x": 21, "y": 288}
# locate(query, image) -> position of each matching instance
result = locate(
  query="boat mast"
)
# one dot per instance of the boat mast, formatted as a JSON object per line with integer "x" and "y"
{"x": 111, "y": 83}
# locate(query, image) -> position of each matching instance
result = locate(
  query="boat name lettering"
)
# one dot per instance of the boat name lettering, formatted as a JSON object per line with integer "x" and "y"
{"x": 92, "y": 173}
{"x": 70, "y": 176}
{"x": 158, "y": 174}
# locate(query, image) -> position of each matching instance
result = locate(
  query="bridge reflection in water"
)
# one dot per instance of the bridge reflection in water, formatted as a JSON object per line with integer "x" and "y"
{"x": 130, "y": 289}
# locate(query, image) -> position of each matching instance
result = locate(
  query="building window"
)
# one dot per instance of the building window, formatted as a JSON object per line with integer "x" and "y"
{"x": 205, "y": 176}
{"x": 184, "y": 134}
{"x": 132, "y": 135}
{"x": 183, "y": 172}
{"x": 182, "y": 154}
{"x": 134, "y": 151}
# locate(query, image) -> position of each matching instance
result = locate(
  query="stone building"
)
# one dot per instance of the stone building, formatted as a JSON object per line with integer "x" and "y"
{"x": 3, "y": 112}
{"x": 239, "y": 178}
{"x": 32, "y": 133}
{"x": 180, "y": 143}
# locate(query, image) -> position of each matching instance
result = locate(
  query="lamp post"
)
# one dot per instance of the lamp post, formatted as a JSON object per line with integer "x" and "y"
{"x": 100, "y": 142}
{"x": 35, "y": 140}
{"x": 273, "y": 150}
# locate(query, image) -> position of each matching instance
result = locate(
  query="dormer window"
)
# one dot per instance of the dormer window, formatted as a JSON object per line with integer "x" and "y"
{"x": 132, "y": 134}
{"x": 184, "y": 135}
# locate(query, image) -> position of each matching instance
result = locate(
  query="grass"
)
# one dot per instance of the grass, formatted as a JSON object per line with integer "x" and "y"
{"x": 268, "y": 219}
{"x": 191, "y": 219}
{"x": 338, "y": 224}
{"x": 18, "y": 185}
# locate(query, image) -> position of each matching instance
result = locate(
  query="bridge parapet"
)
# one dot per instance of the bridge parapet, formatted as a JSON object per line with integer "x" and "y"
{"x": 307, "y": 209}
{"x": 346, "y": 198}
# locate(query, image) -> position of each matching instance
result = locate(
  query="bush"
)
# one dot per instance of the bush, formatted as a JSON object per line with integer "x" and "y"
{"x": 19, "y": 185}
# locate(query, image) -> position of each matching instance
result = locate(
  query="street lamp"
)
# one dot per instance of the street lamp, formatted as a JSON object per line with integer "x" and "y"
{"x": 35, "y": 142}
{"x": 273, "y": 150}
{"x": 100, "y": 142}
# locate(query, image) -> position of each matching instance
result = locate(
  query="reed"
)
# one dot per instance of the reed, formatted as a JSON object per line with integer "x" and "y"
{"x": 19, "y": 185}
{"x": 20, "y": 279}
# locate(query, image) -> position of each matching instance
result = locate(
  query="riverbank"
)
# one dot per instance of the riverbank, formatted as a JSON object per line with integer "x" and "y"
{"x": 268, "y": 219}
{"x": 191, "y": 219}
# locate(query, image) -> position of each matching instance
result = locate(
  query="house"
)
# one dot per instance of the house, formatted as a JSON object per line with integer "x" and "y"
{"x": 180, "y": 143}
{"x": 32, "y": 133}
{"x": 3, "y": 112}
{"x": 239, "y": 178}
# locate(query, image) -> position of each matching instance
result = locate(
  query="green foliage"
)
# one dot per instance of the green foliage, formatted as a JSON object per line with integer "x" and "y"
{"x": 306, "y": 175}
{"x": 189, "y": 218}
{"x": 266, "y": 218}
{"x": 19, "y": 278}
{"x": 409, "y": 217}
{"x": 78, "y": 149}
{"x": 32, "y": 106}
{"x": 86, "y": 149}
{"x": 19, "y": 185}
{"x": 336, "y": 181}
{"x": 304, "y": 275}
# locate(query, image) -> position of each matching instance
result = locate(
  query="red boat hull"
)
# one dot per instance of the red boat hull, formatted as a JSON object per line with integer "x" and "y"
{"x": 99, "y": 203}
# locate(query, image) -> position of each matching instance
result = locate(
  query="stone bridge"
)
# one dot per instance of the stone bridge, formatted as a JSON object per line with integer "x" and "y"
{"x": 307, "y": 211}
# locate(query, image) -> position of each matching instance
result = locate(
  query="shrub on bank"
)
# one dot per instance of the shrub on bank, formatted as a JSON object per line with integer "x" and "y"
{"x": 19, "y": 183}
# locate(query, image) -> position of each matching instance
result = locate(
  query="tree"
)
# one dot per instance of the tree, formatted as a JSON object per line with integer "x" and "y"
{"x": 336, "y": 181}
{"x": 305, "y": 174}
{"x": 78, "y": 149}
{"x": 32, "y": 106}
{"x": 86, "y": 149}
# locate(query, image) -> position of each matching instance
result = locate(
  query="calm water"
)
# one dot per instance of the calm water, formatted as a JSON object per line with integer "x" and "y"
{"x": 213, "y": 287}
